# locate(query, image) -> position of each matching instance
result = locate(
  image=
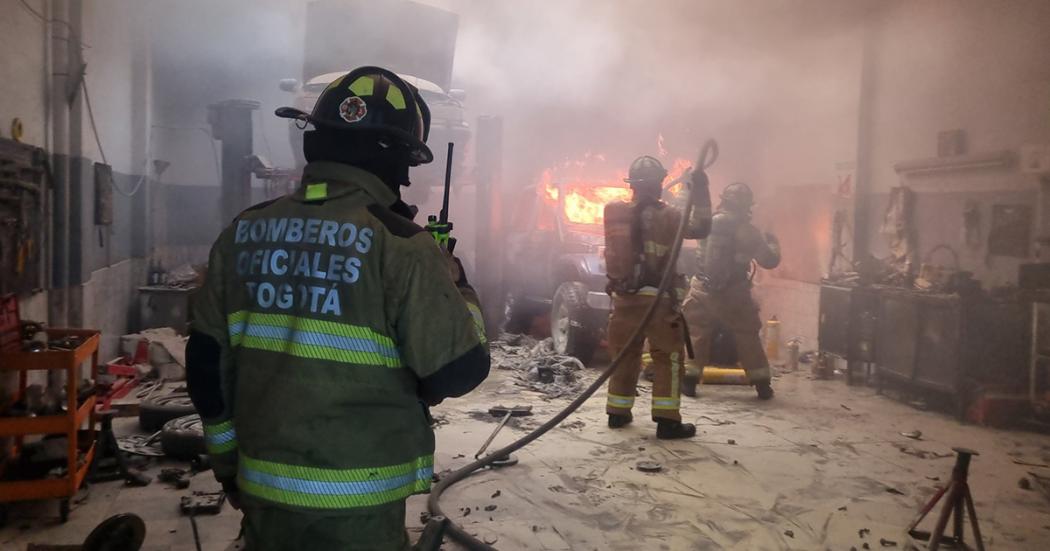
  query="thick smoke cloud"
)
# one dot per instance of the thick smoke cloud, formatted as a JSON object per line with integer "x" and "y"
{"x": 609, "y": 77}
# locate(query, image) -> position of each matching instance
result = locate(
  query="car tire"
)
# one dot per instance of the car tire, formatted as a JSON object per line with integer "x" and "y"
{"x": 517, "y": 318}
{"x": 156, "y": 411}
{"x": 183, "y": 438}
{"x": 571, "y": 322}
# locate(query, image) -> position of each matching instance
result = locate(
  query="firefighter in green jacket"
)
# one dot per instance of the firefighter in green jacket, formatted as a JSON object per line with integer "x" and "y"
{"x": 328, "y": 322}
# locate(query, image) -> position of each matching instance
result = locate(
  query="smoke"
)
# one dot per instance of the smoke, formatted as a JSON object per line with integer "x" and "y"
{"x": 581, "y": 76}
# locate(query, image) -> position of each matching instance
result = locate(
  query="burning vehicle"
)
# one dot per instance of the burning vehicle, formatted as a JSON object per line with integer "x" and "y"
{"x": 555, "y": 248}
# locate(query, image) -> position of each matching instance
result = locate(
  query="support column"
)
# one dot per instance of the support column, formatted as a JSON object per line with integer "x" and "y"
{"x": 489, "y": 255}
{"x": 231, "y": 123}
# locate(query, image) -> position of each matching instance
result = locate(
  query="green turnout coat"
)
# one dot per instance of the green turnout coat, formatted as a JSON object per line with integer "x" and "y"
{"x": 329, "y": 309}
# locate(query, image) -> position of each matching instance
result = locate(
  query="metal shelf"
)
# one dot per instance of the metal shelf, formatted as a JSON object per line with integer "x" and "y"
{"x": 76, "y": 415}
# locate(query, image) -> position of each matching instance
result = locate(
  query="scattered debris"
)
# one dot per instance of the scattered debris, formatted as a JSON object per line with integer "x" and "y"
{"x": 141, "y": 444}
{"x": 934, "y": 478}
{"x": 1030, "y": 463}
{"x": 490, "y": 540}
{"x": 863, "y": 532}
{"x": 914, "y": 435}
{"x": 845, "y": 407}
{"x": 200, "y": 463}
{"x": 490, "y": 508}
{"x": 424, "y": 517}
{"x": 497, "y": 494}
{"x": 641, "y": 448}
{"x": 887, "y": 543}
{"x": 717, "y": 422}
{"x": 465, "y": 511}
{"x": 843, "y": 508}
{"x": 538, "y": 367}
{"x": 202, "y": 503}
{"x": 535, "y": 528}
{"x": 731, "y": 442}
{"x": 1024, "y": 484}
{"x": 866, "y": 546}
{"x": 1042, "y": 483}
{"x": 894, "y": 491}
{"x": 923, "y": 454}
{"x": 649, "y": 466}
{"x": 175, "y": 477}
{"x": 136, "y": 479}
{"x": 735, "y": 462}
{"x": 789, "y": 533}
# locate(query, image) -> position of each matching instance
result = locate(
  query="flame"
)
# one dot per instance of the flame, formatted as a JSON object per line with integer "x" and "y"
{"x": 678, "y": 168}
{"x": 586, "y": 204}
{"x": 589, "y": 186}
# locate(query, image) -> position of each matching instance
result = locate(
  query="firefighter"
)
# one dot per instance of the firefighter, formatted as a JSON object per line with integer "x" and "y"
{"x": 638, "y": 238}
{"x": 720, "y": 293}
{"x": 327, "y": 324}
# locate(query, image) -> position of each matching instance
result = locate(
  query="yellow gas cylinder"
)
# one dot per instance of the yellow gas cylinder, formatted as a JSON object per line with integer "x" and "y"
{"x": 723, "y": 375}
{"x": 773, "y": 338}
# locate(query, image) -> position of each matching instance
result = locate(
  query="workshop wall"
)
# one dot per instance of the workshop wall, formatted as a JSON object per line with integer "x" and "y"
{"x": 971, "y": 65}
{"x": 106, "y": 257}
{"x": 975, "y": 66}
{"x": 23, "y": 88}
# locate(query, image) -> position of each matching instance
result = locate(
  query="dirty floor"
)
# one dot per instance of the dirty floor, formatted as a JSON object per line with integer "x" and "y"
{"x": 822, "y": 466}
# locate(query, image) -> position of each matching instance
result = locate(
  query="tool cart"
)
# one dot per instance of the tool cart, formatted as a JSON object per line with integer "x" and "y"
{"x": 70, "y": 349}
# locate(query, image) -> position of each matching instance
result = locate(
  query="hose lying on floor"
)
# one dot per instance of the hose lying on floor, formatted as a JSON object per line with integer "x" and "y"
{"x": 707, "y": 157}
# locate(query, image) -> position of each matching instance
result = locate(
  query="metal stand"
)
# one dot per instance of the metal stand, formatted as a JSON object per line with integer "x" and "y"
{"x": 958, "y": 492}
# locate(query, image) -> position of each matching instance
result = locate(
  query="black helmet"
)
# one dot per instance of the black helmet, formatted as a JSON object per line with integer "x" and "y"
{"x": 372, "y": 99}
{"x": 646, "y": 169}
{"x": 737, "y": 197}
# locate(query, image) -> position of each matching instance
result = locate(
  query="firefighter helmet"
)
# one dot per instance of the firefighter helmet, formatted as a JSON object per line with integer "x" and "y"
{"x": 646, "y": 169}
{"x": 372, "y": 99}
{"x": 737, "y": 197}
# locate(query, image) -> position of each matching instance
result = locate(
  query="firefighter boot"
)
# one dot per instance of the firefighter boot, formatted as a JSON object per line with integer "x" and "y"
{"x": 617, "y": 420}
{"x": 673, "y": 430}
{"x": 765, "y": 390}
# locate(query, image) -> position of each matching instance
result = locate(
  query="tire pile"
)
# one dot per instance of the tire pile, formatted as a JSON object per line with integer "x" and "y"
{"x": 173, "y": 421}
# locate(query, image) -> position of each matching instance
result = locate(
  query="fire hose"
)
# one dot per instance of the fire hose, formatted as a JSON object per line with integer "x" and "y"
{"x": 708, "y": 155}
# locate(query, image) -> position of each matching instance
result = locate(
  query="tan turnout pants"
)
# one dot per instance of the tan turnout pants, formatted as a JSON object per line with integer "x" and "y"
{"x": 738, "y": 313}
{"x": 666, "y": 344}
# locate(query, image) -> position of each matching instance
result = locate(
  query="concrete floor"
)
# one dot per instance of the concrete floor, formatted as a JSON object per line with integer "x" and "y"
{"x": 808, "y": 470}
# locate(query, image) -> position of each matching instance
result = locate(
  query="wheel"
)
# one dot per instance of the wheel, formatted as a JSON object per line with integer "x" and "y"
{"x": 183, "y": 438}
{"x": 156, "y": 411}
{"x": 517, "y": 318}
{"x": 63, "y": 509}
{"x": 124, "y": 532}
{"x": 571, "y": 321}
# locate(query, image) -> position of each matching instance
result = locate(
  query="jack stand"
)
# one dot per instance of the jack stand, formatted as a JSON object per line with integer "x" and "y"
{"x": 109, "y": 463}
{"x": 958, "y": 492}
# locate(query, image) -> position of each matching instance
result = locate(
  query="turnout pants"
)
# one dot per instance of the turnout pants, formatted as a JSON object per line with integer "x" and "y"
{"x": 666, "y": 344}
{"x": 270, "y": 528}
{"x": 738, "y": 313}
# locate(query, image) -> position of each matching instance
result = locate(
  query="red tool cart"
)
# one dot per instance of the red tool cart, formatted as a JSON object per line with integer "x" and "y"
{"x": 81, "y": 443}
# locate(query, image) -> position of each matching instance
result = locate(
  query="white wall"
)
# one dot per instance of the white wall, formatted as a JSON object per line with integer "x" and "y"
{"x": 977, "y": 66}
{"x": 23, "y": 84}
{"x": 971, "y": 64}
